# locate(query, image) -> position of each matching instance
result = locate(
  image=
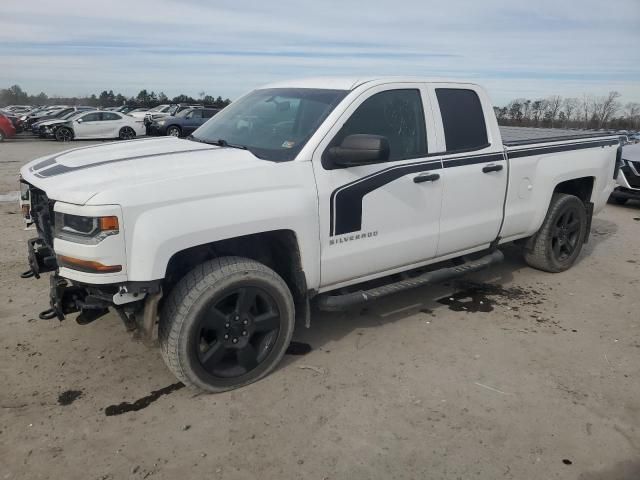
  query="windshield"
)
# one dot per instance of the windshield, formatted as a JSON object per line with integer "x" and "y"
{"x": 273, "y": 123}
{"x": 159, "y": 108}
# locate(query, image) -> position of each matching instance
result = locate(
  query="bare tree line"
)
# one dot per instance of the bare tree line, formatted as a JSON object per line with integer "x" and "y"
{"x": 588, "y": 111}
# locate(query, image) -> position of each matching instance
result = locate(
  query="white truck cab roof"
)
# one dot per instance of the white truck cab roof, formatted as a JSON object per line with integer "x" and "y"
{"x": 351, "y": 83}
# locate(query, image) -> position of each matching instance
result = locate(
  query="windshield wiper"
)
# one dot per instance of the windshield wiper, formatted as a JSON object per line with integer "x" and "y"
{"x": 220, "y": 143}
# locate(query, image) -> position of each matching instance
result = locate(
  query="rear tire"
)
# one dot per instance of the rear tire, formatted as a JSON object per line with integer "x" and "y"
{"x": 620, "y": 200}
{"x": 2, "y": 136}
{"x": 226, "y": 324}
{"x": 557, "y": 244}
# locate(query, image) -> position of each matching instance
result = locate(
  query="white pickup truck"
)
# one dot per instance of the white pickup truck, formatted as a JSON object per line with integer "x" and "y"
{"x": 321, "y": 189}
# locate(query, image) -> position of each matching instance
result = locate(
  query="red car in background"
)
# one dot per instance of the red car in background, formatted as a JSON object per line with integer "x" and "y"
{"x": 7, "y": 130}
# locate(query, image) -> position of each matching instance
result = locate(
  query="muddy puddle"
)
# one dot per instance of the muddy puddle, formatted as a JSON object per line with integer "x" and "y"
{"x": 68, "y": 397}
{"x": 143, "y": 402}
{"x": 483, "y": 297}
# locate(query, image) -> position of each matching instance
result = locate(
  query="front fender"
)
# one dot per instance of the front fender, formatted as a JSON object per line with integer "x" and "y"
{"x": 157, "y": 231}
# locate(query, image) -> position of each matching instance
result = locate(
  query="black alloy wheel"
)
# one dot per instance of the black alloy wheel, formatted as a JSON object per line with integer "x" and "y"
{"x": 227, "y": 323}
{"x": 566, "y": 233}
{"x": 557, "y": 245}
{"x": 236, "y": 332}
{"x": 127, "y": 133}
{"x": 64, "y": 134}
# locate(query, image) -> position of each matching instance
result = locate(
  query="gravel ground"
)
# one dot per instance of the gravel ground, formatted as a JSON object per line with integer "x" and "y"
{"x": 514, "y": 374}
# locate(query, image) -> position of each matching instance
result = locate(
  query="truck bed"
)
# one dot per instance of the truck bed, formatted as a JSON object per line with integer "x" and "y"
{"x": 514, "y": 136}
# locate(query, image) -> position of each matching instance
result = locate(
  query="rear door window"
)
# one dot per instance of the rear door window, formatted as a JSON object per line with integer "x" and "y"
{"x": 462, "y": 119}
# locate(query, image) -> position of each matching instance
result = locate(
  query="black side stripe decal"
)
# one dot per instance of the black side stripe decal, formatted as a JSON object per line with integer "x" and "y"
{"x": 529, "y": 152}
{"x": 60, "y": 169}
{"x": 460, "y": 162}
{"x": 345, "y": 210}
{"x": 348, "y": 198}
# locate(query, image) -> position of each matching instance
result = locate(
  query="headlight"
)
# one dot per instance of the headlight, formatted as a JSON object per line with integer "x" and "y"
{"x": 161, "y": 122}
{"x": 88, "y": 230}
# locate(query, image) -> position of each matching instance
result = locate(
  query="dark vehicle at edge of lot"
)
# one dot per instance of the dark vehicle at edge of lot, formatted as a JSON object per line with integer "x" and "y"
{"x": 183, "y": 123}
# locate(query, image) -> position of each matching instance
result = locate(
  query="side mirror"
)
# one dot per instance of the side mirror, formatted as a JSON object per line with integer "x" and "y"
{"x": 360, "y": 149}
{"x": 79, "y": 120}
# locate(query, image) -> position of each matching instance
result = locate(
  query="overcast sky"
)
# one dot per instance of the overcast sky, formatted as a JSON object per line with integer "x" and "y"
{"x": 515, "y": 48}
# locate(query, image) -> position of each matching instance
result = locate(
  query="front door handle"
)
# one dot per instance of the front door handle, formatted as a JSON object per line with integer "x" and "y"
{"x": 491, "y": 168}
{"x": 426, "y": 177}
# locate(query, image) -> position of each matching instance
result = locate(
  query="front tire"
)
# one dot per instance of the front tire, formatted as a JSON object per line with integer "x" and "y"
{"x": 64, "y": 134}
{"x": 557, "y": 244}
{"x": 127, "y": 133}
{"x": 2, "y": 136}
{"x": 620, "y": 200}
{"x": 174, "y": 131}
{"x": 226, "y": 324}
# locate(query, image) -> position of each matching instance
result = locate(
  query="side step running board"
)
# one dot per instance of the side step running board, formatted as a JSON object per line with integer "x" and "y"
{"x": 333, "y": 303}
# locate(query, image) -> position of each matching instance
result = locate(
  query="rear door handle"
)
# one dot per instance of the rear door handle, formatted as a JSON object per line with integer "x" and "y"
{"x": 491, "y": 168}
{"x": 426, "y": 177}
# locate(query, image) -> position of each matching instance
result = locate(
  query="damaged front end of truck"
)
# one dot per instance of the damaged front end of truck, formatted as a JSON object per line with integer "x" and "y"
{"x": 136, "y": 303}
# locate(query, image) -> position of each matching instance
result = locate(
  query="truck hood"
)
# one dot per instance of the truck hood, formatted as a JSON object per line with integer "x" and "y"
{"x": 110, "y": 171}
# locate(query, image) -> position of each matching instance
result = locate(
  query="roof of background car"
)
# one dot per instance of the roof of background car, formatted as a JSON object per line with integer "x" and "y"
{"x": 350, "y": 83}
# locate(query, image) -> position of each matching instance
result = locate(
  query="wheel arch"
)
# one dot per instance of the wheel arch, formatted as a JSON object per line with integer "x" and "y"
{"x": 173, "y": 125}
{"x": 581, "y": 187}
{"x": 277, "y": 249}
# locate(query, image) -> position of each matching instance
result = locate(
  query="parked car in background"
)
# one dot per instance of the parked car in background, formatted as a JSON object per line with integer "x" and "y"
{"x": 34, "y": 124}
{"x": 183, "y": 123}
{"x": 28, "y": 119}
{"x": 7, "y": 130}
{"x": 628, "y": 178}
{"x": 173, "y": 110}
{"x": 19, "y": 108}
{"x": 140, "y": 113}
{"x": 100, "y": 124}
{"x": 42, "y": 128}
{"x": 14, "y": 118}
{"x": 49, "y": 127}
